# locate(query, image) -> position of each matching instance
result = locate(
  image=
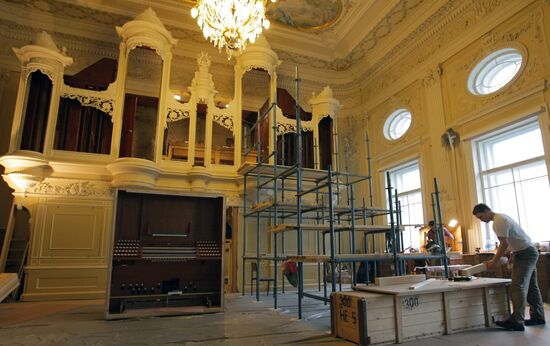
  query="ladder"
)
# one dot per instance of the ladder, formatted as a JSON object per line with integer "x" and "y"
{"x": 15, "y": 244}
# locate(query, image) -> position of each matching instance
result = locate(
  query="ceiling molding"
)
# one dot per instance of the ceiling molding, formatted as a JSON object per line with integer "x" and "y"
{"x": 368, "y": 38}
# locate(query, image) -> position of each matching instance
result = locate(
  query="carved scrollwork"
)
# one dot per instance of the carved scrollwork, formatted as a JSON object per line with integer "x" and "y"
{"x": 233, "y": 200}
{"x": 326, "y": 115}
{"x": 284, "y": 128}
{"x": 104, "y": 105}
{"x": 161, "y": 51}
{"x": 257, "y": 66}
{"x": 432, "y": 76}
{"x": 30, "y": 68}
{"x": 175, "y": 114}
{"x": 224, "y": 120}
{"x": 84, "y": 188}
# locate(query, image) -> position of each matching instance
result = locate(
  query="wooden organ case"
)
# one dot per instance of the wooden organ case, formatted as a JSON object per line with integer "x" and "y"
{"x": 167, "y": 257}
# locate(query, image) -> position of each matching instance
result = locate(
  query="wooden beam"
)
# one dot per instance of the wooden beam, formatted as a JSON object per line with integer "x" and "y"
{"x": 420, "y": 284}
{"x": 397, "y": 280}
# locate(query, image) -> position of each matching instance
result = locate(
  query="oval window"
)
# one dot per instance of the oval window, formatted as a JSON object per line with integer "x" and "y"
{"x": 495, "y": 71}
{"x": 397, "y": 124}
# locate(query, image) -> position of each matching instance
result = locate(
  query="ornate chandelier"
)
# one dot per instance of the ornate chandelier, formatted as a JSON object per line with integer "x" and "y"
{"x": 231, "y": 23}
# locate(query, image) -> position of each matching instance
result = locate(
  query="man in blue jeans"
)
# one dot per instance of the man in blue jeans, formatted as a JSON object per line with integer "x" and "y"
{"x": 524, "y": 287}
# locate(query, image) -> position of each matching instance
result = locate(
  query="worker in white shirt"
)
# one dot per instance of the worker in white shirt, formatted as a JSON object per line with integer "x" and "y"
{"x": 524, "y": 287}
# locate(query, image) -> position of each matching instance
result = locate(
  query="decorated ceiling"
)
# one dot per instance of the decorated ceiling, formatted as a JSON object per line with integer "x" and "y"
{"x": 305, "y": 14}
{"x": 350, "y": 37}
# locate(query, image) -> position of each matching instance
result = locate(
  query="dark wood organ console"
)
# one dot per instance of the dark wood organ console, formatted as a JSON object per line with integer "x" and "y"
{"x": 167, "y": 255}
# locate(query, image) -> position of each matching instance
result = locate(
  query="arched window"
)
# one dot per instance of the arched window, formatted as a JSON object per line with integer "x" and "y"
{"x": 495, "y": 71}
{"x": 397, "y": 124}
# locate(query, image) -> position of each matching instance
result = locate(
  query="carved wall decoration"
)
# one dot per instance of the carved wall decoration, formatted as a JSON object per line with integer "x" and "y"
{"x": 389, "y": 24}
{"x": 432, "y": 77}
{"x": 441, "y": 30}
{"x": 175, "y": 114}
{"x": 45, "y": 69}
{"x": 233, "y": 200}
{"x": 286, "y": 125}
{"x": 90, "y": 98}
{"x": 285, "y": 128}
{"x": 351, "y": 140}
{"x": 522, "y": 32}
{"x": 72, "y": 11}
{"x": 411, "y": 98}
{"x": 77, "y": 189}
{"x": 225, "y": 120}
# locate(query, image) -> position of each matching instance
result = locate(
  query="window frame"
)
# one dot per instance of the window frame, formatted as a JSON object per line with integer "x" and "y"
{"x": 393, "y": 119}
{"x": 402, "y": 169}
{"x": 488, "y": 238}
{"x": 483, "y": 68}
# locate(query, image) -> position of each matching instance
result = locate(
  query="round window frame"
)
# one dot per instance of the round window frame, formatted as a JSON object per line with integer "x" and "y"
{"x": 483, "y": 62}
{"x": 390, "y": 119}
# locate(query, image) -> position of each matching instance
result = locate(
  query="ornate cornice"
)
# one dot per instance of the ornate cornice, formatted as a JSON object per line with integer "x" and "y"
{"x": 443, "y": 20}
{"x": 430, "y": 40}
{"x": 419, "y": 36}
{"x": 388, "y": 25}
{"x": 98, "y": 17}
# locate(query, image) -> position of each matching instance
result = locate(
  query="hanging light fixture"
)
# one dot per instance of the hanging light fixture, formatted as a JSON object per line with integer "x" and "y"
{"x": 231, "y": 23}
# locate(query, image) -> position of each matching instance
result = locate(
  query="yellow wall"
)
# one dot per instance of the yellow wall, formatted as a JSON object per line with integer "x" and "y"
{"x": 431, "y": 81}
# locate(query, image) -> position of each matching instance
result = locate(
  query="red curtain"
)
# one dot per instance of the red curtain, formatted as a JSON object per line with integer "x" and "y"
{"x": 81, "y": 128}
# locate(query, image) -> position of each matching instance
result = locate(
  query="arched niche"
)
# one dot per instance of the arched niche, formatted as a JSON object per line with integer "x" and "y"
{"x": 325, "y": 142}
{"x": 287, "y": 138}
{"x": 324, "y": 108}
{"x": 144, "y": 65}
{"x": 211, "y": 125}
{"x": 141, "y": 103}
{"x": 38, "y": 97}
{"x": 256, "y": 113}
{"x": 84, "y": 119}
{"x": 223, "y": 138}
{"x": 176, "y": 131}
{"x": 255, "y": 92}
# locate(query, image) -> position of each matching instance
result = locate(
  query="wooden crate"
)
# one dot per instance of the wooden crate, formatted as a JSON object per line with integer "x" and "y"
{"x": 476, "y": 308}
{"x": 419, "y": 316}
{"x": 362, "y": 317}
{"x": 543, "y": 271}
{"x": 385, "y": 314}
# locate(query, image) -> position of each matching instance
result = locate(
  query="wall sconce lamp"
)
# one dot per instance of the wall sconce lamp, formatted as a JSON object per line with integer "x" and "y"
{"x": 453, "y": 223}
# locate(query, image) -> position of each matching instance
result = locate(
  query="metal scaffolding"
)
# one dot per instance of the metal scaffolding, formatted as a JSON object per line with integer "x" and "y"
{"x": 318, "y": 207}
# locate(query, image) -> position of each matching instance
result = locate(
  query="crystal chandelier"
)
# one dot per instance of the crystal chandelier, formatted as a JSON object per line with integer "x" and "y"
{"x": 231, "y": 23}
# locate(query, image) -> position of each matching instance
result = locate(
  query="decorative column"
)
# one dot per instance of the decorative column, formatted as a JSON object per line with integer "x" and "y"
{"x": 238, "y": 104}
{"x": 442, "y": 163}
{"x": 202, "y": 91}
